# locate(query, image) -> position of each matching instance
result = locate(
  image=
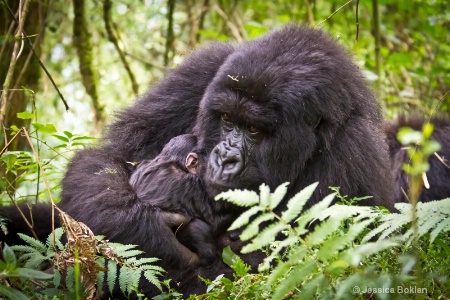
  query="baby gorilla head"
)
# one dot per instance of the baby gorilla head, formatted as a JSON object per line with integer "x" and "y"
{"x": 171, "y": 183}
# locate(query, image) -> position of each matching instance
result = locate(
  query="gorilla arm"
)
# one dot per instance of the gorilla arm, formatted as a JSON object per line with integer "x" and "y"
{"x": 96, "y": 191}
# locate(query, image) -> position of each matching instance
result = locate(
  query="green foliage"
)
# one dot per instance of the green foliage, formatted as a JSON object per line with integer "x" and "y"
{"x": 325, "y": 250}
{"x": 119, "y": 260}
{"x": 9, "y": 269}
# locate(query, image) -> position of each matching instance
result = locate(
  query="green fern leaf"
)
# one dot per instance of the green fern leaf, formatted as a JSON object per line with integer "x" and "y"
{"x": 33, "y": 242}
{"x": 314, "y": 211}
{"x": 244, "y": 218}
{"x": 296, "y": 203}
{"x": 23, "y": 248}
{"x": 146, "y": 260}
{"x": 264, "y": 238}
{"x": 111, "y": 275}
{"x": 288, "y": 242}
{"x": 243, "y": 198}
{"x": 151, "y": 277}
{"x": 56, "y": 277}
{"x": 253, "y": 228}
{"x": 264, "y": 195}
{"x": 279, "y": 272}
{"x": 294, "y": 278}
{"x": 100, "y": 274}
{"x": 130, "y": 253}
{"x": 125, "y": 279}
{"x": 355, "y": 255}
{"x": 278, "y": 195}
{"x": 322, "y": 231}
{"x": 58, "y": 234}
{"x": 338, "y": 242}
{"x": 310, "y": 289}
{"x": 443, "y": 226}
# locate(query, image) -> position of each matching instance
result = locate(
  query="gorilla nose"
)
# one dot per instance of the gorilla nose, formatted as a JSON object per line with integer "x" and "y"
{"x": 226, "y": 162}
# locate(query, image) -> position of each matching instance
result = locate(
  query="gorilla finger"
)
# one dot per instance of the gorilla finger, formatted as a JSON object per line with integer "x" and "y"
{"x": 174, "y": 219}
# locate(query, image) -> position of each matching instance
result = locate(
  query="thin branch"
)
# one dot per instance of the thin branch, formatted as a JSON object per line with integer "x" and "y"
{"x": 201, "y": 21}
{"x": 23, "y": 8}
{"x": 107, "y": 4}
{"x": 37, "y": 58}
{"x": 320, "y": 23}
{"x": 357, "y": 19}
{"x": 376, "y": 33}
{"x": 170, "y": 35}
{"x": 230, "y": 24}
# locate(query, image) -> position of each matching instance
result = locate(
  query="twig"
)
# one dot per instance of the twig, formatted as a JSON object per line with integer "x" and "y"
{"x": 170, "y": 35}
{"x": 37, "y": 58}
{"x": 320, "y": 23}
{"x": 113, "y": 39}
{"x": 23, "y": 7}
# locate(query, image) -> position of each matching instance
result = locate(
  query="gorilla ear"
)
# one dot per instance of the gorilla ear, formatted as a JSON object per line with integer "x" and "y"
{"x": 192, "y": 163}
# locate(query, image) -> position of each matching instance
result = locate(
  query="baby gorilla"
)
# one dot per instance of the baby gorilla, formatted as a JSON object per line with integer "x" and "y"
{"x": 171, "y": 183}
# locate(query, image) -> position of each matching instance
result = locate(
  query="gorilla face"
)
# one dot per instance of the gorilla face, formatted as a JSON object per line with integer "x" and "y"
{"x": 290, "y": 106}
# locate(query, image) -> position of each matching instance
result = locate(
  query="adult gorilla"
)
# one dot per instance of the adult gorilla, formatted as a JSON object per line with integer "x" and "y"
{"x": 290, "y": 106}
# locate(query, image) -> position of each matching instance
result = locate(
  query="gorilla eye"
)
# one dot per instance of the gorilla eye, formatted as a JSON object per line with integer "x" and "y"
{"x": 226, "y": 117}
{"x": 252, "y": 129}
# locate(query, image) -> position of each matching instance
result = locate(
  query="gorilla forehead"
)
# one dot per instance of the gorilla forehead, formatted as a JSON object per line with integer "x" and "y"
{"x": 286, "y": 71}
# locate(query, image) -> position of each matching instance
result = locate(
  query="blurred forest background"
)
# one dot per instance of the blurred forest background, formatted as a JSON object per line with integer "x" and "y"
{"x": 101, "y": 54}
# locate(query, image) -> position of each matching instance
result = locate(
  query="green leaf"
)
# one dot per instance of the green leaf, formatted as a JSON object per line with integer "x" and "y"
{"x": 8, "y": 256}
{"x": 278, "y": 195}
{"x": 253, "y": 228}
{"x": 228, "y": 256}
{"x": 240, "y": 197}
{"x": 296, "y": 203}
{"x": 33, "y": 242}
{"x": 264, "y": 238}
{"x": 294, "y": 279}
{"x": 33, "y": 274}
{"x": 244, "y": 218}
{"x": 68, "y": 133}
{"x": 11, "y": 293}
{"x": 47, "y": 128}
{"x": 61, "y": 138}
{"x": 25, "y": 115}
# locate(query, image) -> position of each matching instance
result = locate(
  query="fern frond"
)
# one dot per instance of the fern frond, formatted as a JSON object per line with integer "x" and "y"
{"x": 244, "y": 218}
{"x": 112, "y": 275}
{"x": 356, "y": 254}
{"x": 253, "y": 228}
{"x": 443, "y": 226}
{"x": 296, "y": 203}
{"x": 38, "y": 245}
{"x": 264, "y": 195}
{"x": 278, "y": 195}
{"x": 58, "y": 234}
{"x": 322, "y": 231}
{"x": 332, "y": 246}
{"x": 151, "y": 277}
{"x": 125, "y": 279}
{"x": 310, "y": 288}
{"x": 314, "y": 211}
{"x": 281, "y": 245}
{"x": 267, "y": 236}
{"x": 23, "y": 248}
{"x": 242, "y": 198}
{"x": 145, "y": 260}
{"x": 294, "y": 278}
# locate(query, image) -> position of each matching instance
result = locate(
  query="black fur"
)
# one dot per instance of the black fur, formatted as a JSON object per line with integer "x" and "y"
{"x": 439, "y": 174}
